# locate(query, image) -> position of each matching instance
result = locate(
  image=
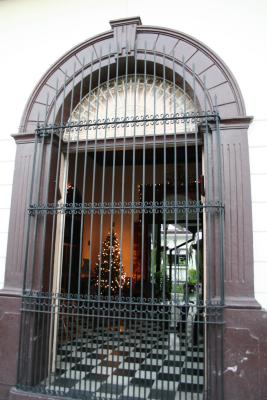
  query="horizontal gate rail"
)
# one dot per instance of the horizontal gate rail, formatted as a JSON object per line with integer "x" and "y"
{"x": 147, "y": 120}
{"x": 126, "y": 207}
{"x": 119, "y": 308}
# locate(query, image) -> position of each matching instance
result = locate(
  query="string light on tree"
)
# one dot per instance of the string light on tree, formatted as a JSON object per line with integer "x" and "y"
{"x": 110, "y": 276}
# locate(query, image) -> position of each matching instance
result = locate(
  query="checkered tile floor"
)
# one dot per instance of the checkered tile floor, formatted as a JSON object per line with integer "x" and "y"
{"x": 134, "y": 364}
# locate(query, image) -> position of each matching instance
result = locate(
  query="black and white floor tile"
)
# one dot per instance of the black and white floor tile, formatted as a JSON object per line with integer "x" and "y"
{"x": 130, "y": 365}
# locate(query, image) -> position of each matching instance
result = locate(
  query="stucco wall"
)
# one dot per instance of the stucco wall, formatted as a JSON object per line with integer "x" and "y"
{"x": 35, "y": 34}
{"x": 258, "y": 167}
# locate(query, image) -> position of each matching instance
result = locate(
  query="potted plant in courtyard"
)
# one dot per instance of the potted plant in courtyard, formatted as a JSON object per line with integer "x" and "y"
{"x": 191, "y": 280}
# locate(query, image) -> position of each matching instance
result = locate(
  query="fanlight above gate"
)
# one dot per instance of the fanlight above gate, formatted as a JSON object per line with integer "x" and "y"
{"x": 131, "y": 106}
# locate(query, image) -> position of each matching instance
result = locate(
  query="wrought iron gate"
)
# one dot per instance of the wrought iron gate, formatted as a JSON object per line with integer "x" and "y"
{"x": 123, "y": 291}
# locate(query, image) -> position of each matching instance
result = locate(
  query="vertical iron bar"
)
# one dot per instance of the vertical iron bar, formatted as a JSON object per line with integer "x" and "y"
{"x": 207, "y": 184}
{"x": 112, "y": 198}
{"x": 220, "y": 198}
{"x": 153, "y": 271}
{"x": 103, "y": 186}
{"x": 62, "y": 246}
{"x": 60, "y": 139}
{"x": 164, "y": 178}
{"x": 73, "y": 216}
{"x": 174, "y": 299}
{"x": 153, "y": 268}
{"x": 39, "y": 284}
{"x": 198, "y": 299}
{"x": 86, "y": 148}
{"x": 93, "y": 317}
{"x": 60, "y": 329}
{"x": 74, "y": 194}
{"x": 113, "y": 175}
{"x": 165, "y": 222}
{"x": 186, "y": 217}
{"x": 221, "y": 233}
{"x": 93, "y": 198}
{"x": 83, "y": 196}
{"x": 186, "y": 176}
{"x": 75, "y": 173}
{"x": 38, "y": 173}
{"x": 143, "y": 178}
{"x": 94, "y": 173}
{"x": 123, "y": 165}
{"x": 46, "y": 199}
{"x": 50, "y": 366}
{"x": 58, "y": 168}
{"x": 123, "y": 186}
{"x": 133, "y": 192}
{"x": 208, "y": 371}
{"x": 67, "y": 162}
{"x": 103, "y": 176}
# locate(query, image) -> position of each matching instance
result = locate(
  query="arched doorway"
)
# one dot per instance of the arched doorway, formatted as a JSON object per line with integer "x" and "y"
{"x": 123, "y": 286}
{"x": 125, "y": 270}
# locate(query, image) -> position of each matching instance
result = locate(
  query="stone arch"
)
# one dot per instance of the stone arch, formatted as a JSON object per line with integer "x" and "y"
{"x": 214, "y": 83}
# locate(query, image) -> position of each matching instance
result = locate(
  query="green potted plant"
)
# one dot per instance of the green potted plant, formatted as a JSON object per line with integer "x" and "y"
{"x": 191, "y": 280}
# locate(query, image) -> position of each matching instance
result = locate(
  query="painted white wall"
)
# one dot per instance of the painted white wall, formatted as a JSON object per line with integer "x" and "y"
{"x": 258, "y": 168}
{"x": 34, "y": 34}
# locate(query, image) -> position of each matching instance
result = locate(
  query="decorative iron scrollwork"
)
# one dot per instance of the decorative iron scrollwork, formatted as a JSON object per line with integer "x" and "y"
{"x": 139, "y": 207}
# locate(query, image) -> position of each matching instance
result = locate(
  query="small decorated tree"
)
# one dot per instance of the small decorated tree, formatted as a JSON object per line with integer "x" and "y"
{"x": 110, "y": 276}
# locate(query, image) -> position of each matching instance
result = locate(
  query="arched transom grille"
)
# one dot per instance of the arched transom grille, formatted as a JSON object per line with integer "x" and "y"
{"x": 137, "y": 103}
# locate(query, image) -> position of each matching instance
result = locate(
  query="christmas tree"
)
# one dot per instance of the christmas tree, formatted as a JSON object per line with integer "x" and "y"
{"x": 110, "y": 276}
